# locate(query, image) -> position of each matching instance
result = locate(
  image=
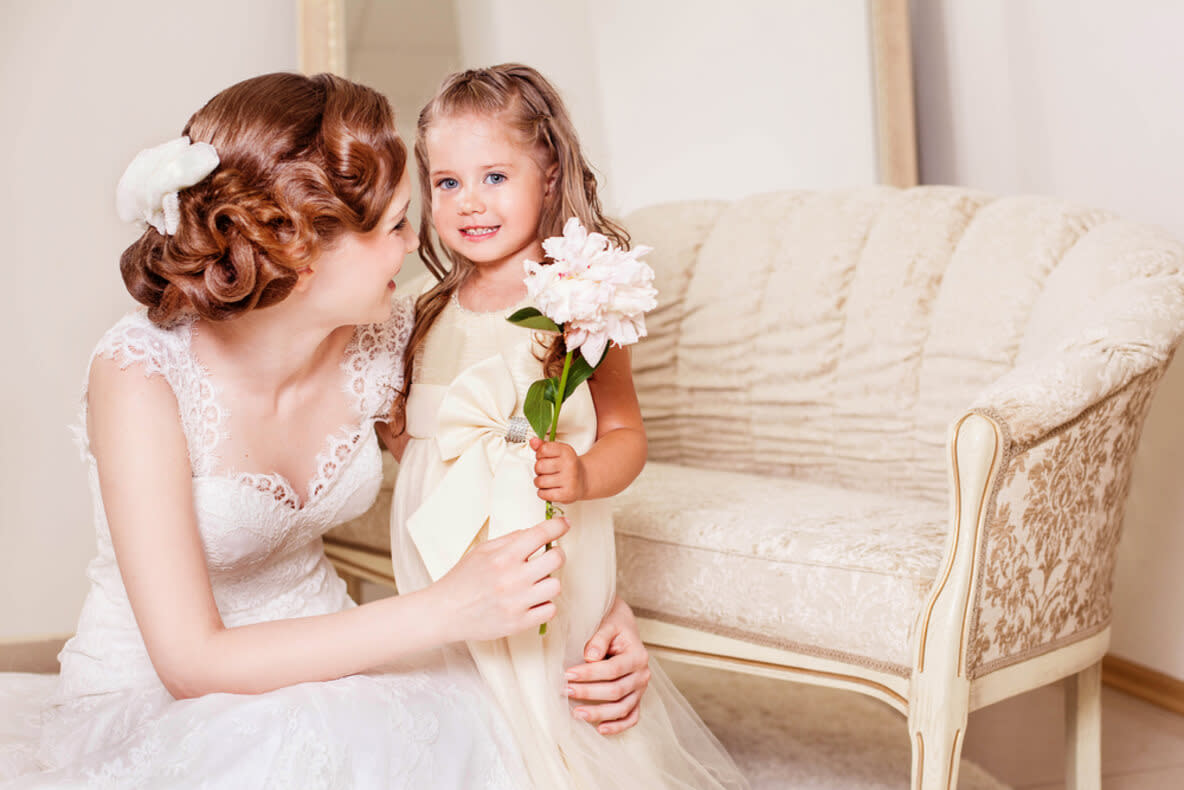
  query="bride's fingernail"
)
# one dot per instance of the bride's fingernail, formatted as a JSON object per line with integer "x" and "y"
{"x": 570, "y": 676}
{"x": 570, "y": 691}
{"x": 583, "y": 714}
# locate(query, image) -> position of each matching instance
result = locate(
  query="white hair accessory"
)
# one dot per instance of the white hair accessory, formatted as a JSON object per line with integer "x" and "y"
{"x": 147, "y": 192}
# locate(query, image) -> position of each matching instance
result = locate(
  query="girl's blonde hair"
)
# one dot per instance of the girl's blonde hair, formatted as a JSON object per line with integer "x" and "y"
{"x": 522, "y": 99}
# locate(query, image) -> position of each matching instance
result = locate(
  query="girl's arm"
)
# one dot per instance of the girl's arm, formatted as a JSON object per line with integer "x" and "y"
{"x": 618, "y": 455}
{"x": 147, "y": 489}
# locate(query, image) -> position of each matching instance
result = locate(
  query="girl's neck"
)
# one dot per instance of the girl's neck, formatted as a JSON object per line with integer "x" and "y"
{"x": 493, "y": 287}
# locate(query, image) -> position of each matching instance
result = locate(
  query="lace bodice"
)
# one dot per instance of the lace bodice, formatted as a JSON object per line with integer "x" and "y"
{"x": 261, "y": 537}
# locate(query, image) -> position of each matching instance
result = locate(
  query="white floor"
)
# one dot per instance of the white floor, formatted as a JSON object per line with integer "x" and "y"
{"x": 786, "y": 735}
{"x": 1020, "y": 742}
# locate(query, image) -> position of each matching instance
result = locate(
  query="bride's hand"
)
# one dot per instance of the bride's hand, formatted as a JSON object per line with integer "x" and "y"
{"x": 497, "y": 589}
{"x": 615, "y": 673}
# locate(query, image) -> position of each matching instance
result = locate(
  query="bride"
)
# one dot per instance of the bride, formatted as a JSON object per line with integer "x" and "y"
{"x": 226, "y": 427}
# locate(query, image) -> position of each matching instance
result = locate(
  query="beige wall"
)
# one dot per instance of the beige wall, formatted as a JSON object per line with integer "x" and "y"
{"x": 1083, "y": 99}
{"x": 83, "y": 87}
{"x": 682, "y": 99}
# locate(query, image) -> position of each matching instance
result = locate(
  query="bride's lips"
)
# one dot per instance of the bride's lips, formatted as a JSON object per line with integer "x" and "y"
{"x": 477, "y": 233}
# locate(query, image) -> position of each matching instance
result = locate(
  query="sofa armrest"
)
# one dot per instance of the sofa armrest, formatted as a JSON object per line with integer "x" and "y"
{"x": 1053, "y": 521}
{"x": 1127, "y": 333}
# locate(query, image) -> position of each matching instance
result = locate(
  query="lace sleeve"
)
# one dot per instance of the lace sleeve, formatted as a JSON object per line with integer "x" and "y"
{"x": 376, "y": 363}
{"x": 136, "y": 341}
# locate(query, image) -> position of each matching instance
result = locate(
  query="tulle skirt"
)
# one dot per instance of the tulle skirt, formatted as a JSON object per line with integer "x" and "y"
{"x": 670, "y": 747}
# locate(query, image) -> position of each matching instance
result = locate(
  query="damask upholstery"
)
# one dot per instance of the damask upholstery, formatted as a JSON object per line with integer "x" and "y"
{"x": 1051, "y": 539}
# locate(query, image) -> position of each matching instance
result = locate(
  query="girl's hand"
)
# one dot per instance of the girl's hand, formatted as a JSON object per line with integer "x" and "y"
{"x": 497, "y": 589}
{"x": 560, "y": 475}
{"x": 615, "y": 675}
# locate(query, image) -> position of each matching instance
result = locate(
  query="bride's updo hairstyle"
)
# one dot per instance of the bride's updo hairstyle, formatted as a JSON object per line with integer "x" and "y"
{"x": 302, "y": 160}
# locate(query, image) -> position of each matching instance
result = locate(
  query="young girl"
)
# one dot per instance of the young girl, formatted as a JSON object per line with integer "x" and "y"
{"x": 500, "y": 169}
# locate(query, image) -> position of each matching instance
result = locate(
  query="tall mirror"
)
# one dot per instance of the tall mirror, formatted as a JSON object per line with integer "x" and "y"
{"x": 672, "y": 100}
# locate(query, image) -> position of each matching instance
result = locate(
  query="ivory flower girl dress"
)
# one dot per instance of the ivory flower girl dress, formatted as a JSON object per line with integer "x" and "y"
{"x": 111, "y": 723}
{"x": 466, "y": 476}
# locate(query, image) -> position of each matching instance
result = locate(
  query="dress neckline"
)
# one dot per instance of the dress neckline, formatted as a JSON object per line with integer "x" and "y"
{"x": 501, "y": 311}
{"x": 337, "y": 449}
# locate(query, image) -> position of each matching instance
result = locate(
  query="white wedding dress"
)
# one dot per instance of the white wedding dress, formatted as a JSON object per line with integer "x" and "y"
{"x": 110, "y": 722}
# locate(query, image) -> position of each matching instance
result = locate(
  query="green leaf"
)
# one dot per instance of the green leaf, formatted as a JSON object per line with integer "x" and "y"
{"x": 551, "y": 390}
{"x": 537, "y": 408}
{"x": 525, "y": 312}
{"x": 580, "y": 370}
{"x": 531, "y": 318}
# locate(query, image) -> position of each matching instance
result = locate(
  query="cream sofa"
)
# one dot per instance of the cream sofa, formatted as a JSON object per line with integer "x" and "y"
{"x": 891, "y": 434}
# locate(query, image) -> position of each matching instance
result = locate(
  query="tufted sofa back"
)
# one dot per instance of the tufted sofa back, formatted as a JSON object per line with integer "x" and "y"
{"x": 833, "y": 336}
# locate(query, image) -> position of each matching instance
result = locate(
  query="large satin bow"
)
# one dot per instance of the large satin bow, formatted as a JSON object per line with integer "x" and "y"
{"x": 489, "y": 478}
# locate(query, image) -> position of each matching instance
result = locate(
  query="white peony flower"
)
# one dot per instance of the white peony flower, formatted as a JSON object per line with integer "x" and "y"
{"x": 147, "y": 192}
{"x": 596, "y": 291}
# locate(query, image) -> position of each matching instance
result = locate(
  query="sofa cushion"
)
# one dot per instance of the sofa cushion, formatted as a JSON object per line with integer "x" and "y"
{"x": 779, "y": 561}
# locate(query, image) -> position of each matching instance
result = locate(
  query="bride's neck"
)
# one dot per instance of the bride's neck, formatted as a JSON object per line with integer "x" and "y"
{"x": 272, "y": 349}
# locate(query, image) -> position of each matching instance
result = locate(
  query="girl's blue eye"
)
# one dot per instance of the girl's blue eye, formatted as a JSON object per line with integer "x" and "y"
{"x": 495, "y": 178}
{"x": 447, "y": 183}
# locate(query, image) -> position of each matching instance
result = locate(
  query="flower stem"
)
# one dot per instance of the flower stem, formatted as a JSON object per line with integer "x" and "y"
{"x": 559, "y": 403}
{"x": 551, "y": 434}
{"x": 551, "y": 437}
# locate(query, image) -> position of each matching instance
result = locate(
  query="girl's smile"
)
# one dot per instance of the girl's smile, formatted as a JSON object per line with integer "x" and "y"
{"x": 479, "y": 232}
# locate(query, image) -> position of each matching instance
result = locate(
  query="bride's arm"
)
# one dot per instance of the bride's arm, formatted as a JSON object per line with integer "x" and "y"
{"x": 146, "y": 484}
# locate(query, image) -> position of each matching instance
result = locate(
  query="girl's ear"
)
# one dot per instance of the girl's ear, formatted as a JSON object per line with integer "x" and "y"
{"x": 552, "y": 177}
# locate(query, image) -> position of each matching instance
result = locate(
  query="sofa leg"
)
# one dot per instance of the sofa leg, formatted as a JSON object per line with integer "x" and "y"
{"x": 938, "y": 730}
{"x": 1083, "y": 729}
